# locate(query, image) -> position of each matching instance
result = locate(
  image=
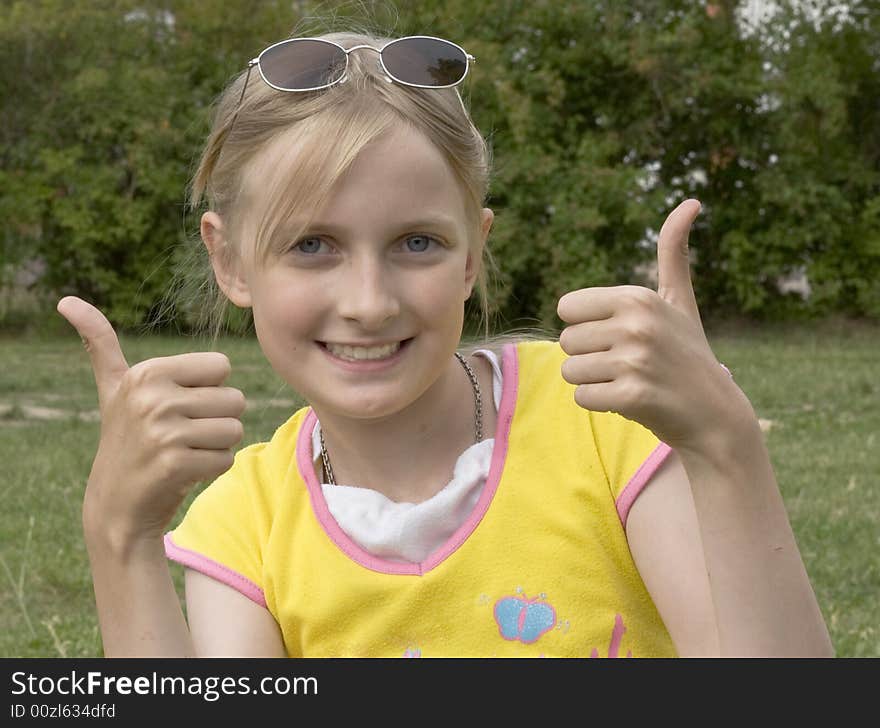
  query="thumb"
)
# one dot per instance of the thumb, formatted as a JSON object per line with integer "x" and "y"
{"x": 100, "y": 340}
{"x": 673, "y": 263}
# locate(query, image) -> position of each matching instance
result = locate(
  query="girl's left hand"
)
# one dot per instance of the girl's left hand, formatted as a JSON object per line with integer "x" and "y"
{"x": 644, "y": 354}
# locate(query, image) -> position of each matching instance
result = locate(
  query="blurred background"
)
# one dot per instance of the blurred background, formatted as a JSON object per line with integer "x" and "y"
{"x": 601, "y": 115}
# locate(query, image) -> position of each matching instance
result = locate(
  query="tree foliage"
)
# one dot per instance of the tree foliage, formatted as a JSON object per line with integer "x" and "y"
{"x": 601, "y": 116}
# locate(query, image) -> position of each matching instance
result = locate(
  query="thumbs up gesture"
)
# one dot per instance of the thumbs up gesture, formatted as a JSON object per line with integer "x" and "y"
{"x": 166, "y": 424}
{"x": 644, "y": 354}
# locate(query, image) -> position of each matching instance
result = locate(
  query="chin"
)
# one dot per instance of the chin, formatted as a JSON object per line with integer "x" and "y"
{"x": 371, "y": 410}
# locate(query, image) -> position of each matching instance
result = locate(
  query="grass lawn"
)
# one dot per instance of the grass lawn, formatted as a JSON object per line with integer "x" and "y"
{"x": 814, "y": 385}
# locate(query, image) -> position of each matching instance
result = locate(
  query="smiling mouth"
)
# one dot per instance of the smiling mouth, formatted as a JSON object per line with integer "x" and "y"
{"x": 364, "y": 353}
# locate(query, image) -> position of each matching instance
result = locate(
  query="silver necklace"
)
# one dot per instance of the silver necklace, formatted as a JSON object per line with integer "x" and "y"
{"x": 478, "y": 418}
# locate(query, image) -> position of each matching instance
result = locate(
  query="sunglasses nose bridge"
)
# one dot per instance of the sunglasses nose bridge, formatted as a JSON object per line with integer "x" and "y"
{"x": 361, "y": 47}
{"x": 377, "y": 51}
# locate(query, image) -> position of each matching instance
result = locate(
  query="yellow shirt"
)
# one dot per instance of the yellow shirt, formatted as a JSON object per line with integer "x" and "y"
{"x": 541, "y": 567}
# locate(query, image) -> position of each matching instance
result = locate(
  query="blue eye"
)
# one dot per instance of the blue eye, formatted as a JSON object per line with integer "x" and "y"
{"x": 422, "y": 243}
{"x": 308, "y": 245}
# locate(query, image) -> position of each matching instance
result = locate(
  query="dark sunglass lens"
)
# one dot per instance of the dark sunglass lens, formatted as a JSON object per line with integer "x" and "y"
{"x": 425, "y": 61}
{"x": 302, "y": 64}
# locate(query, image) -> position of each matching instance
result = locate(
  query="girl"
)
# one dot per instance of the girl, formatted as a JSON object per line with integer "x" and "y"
{"x": 606, "y": 494}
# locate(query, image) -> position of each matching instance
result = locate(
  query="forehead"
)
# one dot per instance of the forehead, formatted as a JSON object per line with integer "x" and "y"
{"x": 401, "y": 171}
{"x": 398, "y": 173}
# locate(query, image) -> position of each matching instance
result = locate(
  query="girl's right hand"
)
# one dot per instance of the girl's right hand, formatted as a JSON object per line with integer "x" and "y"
{"x": 166, "y": 424}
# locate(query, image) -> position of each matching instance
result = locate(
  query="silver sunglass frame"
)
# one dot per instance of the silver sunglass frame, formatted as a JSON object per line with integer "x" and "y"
{"x": 390, "y": 77}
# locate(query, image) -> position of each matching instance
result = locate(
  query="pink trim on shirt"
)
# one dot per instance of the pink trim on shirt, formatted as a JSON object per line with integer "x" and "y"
{"x": 305, "y": 463}
{"x": 638, "y": 481}
{"x": 217, "y": 571}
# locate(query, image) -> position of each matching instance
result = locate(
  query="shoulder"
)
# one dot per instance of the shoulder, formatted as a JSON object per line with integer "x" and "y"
{"x": 528, "y": 341}
{"x": 278, "y": 453}
{"x": 544, "y": 352}
{"x": 223, "y": 530}
{"x": 663, "y": 533}
{"x": 257, "y": 471}
{"x": 529, "y": 359}
{"x": 627, "y": 452}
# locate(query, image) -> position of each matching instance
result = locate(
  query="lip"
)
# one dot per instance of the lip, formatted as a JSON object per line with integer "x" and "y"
{"x": 365, "y": 344}
{"x": 367, "y": 365}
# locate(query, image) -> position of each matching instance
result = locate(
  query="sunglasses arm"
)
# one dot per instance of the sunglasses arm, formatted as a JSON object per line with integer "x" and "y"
{"x": 247, "y": 77}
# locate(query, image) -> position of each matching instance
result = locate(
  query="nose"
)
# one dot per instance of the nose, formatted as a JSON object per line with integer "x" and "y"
{"x": 366, "y": 294}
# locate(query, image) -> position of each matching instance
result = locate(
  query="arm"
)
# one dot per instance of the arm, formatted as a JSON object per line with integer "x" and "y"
{"x": 665, "y": 543}
{"x": 140, "y": 616}
{"x": 166, "y": 424}
{"x": 713, "y": 544}
{"x": 139, "y": 611}
{"x": 645, "y": 355}
{"x": 213, "y": 606}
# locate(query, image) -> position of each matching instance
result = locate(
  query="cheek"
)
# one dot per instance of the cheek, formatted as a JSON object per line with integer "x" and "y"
{"x": 284, "y": 323}
{"x": 285, "y": 308}
{"x": 439, "y": 293}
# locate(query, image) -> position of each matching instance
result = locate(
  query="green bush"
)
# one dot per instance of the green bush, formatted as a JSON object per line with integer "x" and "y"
{"x": 602, "y": 116}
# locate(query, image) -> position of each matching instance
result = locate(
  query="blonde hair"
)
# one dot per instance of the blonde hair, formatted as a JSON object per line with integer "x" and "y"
{"x": 325, "y": 131}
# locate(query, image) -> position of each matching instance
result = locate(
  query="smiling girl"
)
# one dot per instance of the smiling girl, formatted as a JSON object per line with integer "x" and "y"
{"x": 607, "y": 494}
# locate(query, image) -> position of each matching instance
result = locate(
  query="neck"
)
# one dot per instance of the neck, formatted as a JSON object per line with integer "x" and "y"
{"x": 410, "y": 455}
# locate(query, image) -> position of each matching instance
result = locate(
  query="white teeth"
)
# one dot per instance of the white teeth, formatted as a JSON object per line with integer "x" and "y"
{"x": 358, "y": 353}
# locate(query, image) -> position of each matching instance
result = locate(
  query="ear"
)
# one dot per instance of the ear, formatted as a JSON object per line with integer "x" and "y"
{"x": 227, "y": 268}
{"x": 475, "y": 256}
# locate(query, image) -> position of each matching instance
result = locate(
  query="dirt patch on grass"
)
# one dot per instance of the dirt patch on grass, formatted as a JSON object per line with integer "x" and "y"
{"x": 21, "y": 413}
{"x": 18, "y": 413}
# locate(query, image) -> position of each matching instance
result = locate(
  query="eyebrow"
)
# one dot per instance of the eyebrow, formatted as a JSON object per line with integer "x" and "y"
{"x": 443, "y": 222}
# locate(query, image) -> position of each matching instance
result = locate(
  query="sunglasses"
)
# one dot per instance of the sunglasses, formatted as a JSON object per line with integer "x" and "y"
{"x": 312, "y": 64}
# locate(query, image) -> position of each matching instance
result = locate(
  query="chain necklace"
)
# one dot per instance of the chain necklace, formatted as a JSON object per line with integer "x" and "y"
{"x": 478, "y": 419}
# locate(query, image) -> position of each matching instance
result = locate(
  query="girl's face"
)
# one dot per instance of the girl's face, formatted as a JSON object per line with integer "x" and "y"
{"x": 362, "y": 313}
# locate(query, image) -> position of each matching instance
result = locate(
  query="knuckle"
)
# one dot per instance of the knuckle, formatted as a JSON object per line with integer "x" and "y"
{"x": 137, "y": 376}
{"x": 167, "y": 465}
{"x": 565, "y": 340}
{"x": 582, "y": 396}
{"x": 237, "y": 430}
{"x": 159, "y": 439}
{"x": 567, "y": 306}
{"x": 635, "y": 393}
{"x": 141, "y": 403}
{"x": 567, "y": 370}
{"x": 562, "y": 306}
{"x": 223, "y": 461}
{"x": 640, "y": 329}
{"x": 641, "y": 297}
{"x": 637, "y": 360}
{"x": 223, "y": 362}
